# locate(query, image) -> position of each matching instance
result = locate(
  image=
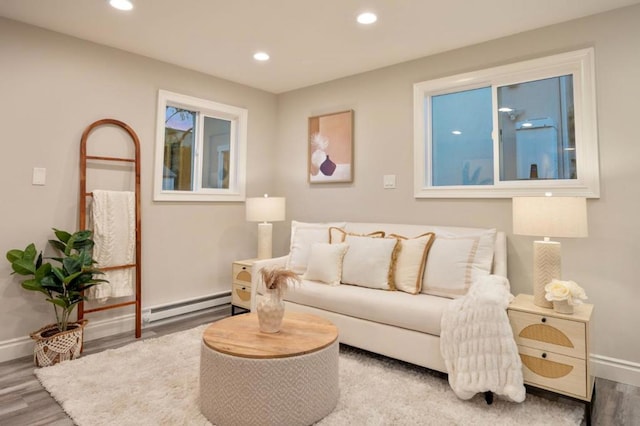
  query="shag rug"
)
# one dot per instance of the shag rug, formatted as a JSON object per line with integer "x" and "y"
{"x": 155, "y": 382}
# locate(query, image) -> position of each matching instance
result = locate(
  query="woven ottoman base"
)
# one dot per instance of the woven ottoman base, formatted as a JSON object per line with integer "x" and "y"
{"x": 296, "y": 390}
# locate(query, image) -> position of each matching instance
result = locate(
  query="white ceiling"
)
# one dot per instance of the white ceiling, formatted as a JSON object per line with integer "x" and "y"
{"x": 310, "y": 41}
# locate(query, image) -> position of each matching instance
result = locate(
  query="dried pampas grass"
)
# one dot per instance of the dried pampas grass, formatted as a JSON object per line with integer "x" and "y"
{"x": 279, "y": 279}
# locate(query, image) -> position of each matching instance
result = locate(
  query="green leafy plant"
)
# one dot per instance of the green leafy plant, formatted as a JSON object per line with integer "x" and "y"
{"x": 61, "y": 283}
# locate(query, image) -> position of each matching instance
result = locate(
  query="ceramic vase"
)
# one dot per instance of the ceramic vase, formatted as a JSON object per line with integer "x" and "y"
{"x": 328, "y": 167}
{"x": 270, "y": 312}
{"x": 562, "y": 307}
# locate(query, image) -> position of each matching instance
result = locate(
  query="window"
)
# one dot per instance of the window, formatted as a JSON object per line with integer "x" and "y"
{"x": 518, "y": 129}
{"x": 200, "y": 150}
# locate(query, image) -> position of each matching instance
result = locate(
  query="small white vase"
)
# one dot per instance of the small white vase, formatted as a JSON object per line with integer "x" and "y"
{"x": 270, "y": 312}
{"x": 562, "y": 307}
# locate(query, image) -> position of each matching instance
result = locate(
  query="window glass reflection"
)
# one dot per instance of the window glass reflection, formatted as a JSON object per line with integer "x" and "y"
{"x": 216, "y": 153}
{"x": 178, "y": 149}
{"x": 462, "y": 148}
{"x": 537, "y": 131}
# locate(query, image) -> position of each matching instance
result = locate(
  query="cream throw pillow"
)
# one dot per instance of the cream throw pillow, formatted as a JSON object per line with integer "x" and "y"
{"x": 367, "y": 263}
{"x": 454, "y": 263}
{"x": 411, "y": 258}
{"x": 303, "y": 235}
{"x": 325, "y": 262}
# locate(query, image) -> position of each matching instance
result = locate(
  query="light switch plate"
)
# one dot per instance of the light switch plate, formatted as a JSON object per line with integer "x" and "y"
{"x": 389, "y": 181}
{"x": 39, "y": 176}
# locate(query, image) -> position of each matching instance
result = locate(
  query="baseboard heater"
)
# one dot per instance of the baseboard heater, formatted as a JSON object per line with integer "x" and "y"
{"x": 157, "y": 313}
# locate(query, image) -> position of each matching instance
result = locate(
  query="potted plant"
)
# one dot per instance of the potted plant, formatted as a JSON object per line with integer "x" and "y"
{"x": 63, "y": 285}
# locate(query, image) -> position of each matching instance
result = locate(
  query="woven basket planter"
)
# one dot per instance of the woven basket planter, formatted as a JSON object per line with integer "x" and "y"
{"x": 58, "y": 347}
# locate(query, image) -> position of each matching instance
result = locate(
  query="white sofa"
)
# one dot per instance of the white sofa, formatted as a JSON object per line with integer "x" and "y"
{"x": 394, "y": 323}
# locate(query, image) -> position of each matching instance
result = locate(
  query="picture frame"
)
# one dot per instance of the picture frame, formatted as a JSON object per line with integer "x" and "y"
{"x": 330, "y": 142}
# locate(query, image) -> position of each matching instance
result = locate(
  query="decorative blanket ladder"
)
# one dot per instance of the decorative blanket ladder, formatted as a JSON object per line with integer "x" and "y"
{"x": 84, "y": 195}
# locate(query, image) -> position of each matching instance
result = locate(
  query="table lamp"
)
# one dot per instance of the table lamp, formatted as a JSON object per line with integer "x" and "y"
{"x": 265, "y": 209}
{"x": 546, "y": 217}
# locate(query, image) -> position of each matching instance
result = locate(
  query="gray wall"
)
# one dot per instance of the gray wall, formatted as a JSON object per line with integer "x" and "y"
{"x": 52, "y": 87}
{"x": 606, "y": 264}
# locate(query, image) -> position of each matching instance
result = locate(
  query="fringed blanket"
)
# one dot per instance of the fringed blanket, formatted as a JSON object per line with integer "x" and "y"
{"x": 477, "y": 342}
{"x": 114, "y": 226}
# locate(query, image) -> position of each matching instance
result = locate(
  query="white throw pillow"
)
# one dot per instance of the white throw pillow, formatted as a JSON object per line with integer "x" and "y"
{"x": 454, "y": 263}
{"x": 325, "y": 262}
{"x": 367, "y": 263}
{"x": 303, "y": 235}
{"x": 411, "y": 258}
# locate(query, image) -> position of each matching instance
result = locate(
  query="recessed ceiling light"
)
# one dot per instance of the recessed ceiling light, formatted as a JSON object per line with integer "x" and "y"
{"x": 456, "y": 132}
{"x": 261, "y": 56}
{"x": 505, "y": 109}
{"x": 527, "y": 124}
{"x": 367, "y": 18}
{"x": 121, "y": 4}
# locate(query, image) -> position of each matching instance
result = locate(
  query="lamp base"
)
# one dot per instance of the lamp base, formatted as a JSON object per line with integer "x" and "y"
{"x": 265, "y": 232}
{"x": 546, "y": 267}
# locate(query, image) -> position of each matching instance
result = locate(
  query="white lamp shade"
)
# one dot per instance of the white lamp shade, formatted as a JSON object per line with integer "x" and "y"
{"x": 550, "y": 216}
{"x": 265, "y": 209}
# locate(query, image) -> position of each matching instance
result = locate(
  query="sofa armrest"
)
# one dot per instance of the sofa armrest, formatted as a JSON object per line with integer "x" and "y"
{"x": 256, "y": 278}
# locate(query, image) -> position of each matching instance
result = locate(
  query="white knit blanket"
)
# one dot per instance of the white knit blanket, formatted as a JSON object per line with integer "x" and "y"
{"x": 477, "y": 342}
{"x": 114, "y": 233}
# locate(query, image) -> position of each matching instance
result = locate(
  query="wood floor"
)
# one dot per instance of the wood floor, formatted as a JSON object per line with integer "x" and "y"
{"x": 23, "y": 401}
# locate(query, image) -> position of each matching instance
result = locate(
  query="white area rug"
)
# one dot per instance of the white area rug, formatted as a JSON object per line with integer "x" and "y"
{"x": 155, "y": 382}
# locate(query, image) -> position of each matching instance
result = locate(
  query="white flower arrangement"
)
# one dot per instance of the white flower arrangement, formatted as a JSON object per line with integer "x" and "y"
{"x": 319, "y": 141}
{"x": 558, "y": 290}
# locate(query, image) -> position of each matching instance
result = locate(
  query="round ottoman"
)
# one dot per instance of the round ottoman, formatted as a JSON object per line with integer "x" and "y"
{"x": 252, "y": 378}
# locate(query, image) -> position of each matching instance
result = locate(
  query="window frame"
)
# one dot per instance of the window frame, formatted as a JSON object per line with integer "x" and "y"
{"x": 579, "y": 64}
{"x": 237, "y": 157}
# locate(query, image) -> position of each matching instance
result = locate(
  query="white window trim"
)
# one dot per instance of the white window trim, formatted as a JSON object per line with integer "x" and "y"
{"x": 578, "y": 63}
{"x": 238, "y": 155}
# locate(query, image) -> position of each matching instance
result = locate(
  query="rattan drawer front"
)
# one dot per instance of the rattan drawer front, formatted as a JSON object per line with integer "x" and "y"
{"x": 241, "y": 273}
{"x": 241, "y": 296}
{"x": 547, "y": 333}
{"x": 554, "y": 371}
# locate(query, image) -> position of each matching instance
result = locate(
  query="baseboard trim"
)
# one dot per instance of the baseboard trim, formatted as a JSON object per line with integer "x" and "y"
{"x": 23, "y": 346}
{"x": 618, "y": 370}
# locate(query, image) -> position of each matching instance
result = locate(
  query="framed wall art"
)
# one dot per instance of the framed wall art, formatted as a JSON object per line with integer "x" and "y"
{"x": 331, "y": 148}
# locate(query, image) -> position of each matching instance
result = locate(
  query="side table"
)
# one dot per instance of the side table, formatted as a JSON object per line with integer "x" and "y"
{"x": 241, "y": 285}
{"x": 554, "y": 348}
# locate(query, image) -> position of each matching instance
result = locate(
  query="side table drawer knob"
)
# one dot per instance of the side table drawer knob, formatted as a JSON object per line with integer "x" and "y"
{"x": 543, "y": 319}
{"x": 544, "y": 354}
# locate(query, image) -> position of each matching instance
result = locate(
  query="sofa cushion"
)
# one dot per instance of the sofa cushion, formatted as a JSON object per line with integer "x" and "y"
{"x": 421, "y": 312}
{"x": 325, "y": 263}
{"x": 410, "y": 261}
{"x": 455, "y": 261}
{"x": 368, "y": 261}
{"x": 304, "y": 234}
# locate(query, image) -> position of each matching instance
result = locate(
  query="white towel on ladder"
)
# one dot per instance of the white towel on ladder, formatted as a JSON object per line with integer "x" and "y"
{"x": 114, "y": 233}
